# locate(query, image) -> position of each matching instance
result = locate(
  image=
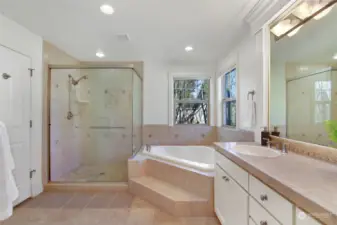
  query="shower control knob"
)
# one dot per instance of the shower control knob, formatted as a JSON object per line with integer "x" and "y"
{"x": 263, "y": 223}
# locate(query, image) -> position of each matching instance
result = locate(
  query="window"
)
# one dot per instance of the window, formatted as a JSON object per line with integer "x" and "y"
{"x": 191, "y": 101}
{"x": 229, "y": 98}
{"x": 323, "y": 101}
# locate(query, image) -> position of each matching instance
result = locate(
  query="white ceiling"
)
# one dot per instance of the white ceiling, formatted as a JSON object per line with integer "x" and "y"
{"x": 314, "y": 43}
{"x": 159, "y": 29}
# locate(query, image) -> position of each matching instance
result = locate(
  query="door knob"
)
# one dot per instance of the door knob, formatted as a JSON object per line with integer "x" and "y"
{"x": 6, "y": 76}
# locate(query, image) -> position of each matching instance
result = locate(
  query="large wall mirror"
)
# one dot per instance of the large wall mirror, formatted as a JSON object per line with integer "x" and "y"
{"x": 303, "y": 73}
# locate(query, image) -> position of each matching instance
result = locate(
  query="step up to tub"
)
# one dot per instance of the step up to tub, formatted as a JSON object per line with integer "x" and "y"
{"x": 171, "y": 198}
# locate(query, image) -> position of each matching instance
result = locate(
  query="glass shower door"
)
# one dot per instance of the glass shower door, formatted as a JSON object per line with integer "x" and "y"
{"x": 102, "y": 119}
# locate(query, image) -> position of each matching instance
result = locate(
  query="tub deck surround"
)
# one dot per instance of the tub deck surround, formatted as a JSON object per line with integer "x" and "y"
{"x": 308, "y": 183}
{"x": 178, "y": 191}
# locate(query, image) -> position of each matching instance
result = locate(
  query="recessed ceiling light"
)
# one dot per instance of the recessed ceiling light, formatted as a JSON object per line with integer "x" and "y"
{"x": 188, "y": 48}
{"x": 100, "y": 54}
{"x": 335, "y": 56}
{"x": 107, "y": 9}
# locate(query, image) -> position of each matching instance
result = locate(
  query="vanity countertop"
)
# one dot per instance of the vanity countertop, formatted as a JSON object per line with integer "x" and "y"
{"x": 308, "y": 183}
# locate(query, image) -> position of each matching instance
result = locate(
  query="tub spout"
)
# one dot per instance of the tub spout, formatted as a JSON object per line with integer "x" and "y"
{"x": 148, "y": 148}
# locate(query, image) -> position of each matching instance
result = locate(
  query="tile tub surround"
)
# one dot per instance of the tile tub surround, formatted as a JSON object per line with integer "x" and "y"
{"x": 88, "y": 208}
{"x": 320, "y": 152}
{"x": 185, "y": 194}
{"x": 231, "y": 134}
{"x": 308, "y": 183}
{"x": 179, "y": 135}
{"x": 192, "y": 135}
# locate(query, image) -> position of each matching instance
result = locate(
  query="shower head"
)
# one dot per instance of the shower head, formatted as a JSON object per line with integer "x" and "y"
{"x": 75, "y": 82}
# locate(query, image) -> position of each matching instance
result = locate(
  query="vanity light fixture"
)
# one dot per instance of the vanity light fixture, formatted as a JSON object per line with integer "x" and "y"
{"x": 107, "y": 9}
{"x": 189, "y": 48}
{"x": 335, "y": 57}
{"x": 293, "y": 22}
{"x": 292, "y": 33}
{"x": 100, "y": 54}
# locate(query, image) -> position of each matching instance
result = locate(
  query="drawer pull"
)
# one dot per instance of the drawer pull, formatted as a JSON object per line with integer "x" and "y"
{"x": 225, "y": 178}
{"x": 263, "y": 223}
{"x": 264, "y": 198}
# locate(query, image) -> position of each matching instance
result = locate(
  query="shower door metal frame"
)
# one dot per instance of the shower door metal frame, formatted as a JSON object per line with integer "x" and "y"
{"x": 86, "y": 66}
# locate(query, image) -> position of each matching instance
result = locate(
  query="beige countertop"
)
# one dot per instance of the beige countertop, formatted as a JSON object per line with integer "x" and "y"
{"x": 308, "y": 183}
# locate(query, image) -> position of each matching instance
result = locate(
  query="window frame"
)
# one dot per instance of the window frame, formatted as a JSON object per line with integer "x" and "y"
{"x": 172, "y": 101}
{"x": 224, "y": 99}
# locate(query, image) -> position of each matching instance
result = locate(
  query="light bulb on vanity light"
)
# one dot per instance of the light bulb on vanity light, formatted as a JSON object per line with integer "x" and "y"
{"x": 335, "y": 57}
{"x": 100, "y": 54}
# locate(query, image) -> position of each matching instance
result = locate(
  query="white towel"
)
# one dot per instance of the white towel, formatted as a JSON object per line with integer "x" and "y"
{"x": 251, "y": 115}
{"x": 8, "y": 190}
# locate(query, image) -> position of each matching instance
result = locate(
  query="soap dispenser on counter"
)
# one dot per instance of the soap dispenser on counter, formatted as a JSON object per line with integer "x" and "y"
{"x": 265, "y": 136}
{"x": 275, "y": 132}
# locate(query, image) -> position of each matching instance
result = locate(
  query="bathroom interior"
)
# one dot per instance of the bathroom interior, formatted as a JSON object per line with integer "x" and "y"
{"x": 120, "y": 128}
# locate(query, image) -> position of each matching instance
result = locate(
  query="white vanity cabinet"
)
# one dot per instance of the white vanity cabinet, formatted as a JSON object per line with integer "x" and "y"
{"x": 303, "y": 219}
{"x": 241, "y": 199}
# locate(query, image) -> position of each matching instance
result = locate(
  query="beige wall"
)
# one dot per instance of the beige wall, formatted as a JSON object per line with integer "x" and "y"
{"x": 52, "y": 55}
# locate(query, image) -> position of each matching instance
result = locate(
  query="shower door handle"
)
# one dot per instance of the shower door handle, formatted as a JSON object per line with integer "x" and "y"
{"x": 6, "y": 76}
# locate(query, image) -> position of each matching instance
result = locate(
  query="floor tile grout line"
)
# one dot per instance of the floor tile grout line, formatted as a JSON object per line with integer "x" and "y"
{"x": 91, "y": 199}
{"x": 69, "y": 200}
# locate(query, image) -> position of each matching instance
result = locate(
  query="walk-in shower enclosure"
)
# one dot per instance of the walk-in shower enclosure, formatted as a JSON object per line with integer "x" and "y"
{"x": 95, "y": 117}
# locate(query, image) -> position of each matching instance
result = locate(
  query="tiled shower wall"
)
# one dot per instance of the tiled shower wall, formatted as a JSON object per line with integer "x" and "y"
{"x": 65, "y": 135}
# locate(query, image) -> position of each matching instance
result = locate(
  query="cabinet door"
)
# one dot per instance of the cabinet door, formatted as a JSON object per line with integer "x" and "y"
{"x": 231, "y": 201}
{"x": 219, "y": 194}
{"x": 236, "y": 208}
{"x": 303, "y": 219}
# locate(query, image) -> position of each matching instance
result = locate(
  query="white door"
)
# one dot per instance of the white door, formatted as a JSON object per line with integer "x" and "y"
{"x": 15, "y": 113}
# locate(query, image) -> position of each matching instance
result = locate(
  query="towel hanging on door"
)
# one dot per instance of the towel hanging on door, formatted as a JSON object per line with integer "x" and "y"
{"x": 8, "y": 190}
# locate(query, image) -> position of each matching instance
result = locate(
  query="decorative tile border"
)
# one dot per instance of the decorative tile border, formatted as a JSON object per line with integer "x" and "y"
{"x": 320, "y": 152}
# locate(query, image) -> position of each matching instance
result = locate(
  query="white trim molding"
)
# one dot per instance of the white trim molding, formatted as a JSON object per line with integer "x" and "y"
{"x": 266, "y": 57}
{"x": 191, "y": 75}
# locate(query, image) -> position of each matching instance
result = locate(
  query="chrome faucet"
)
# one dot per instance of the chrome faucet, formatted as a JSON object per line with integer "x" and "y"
{"x": 148, "y": 148}
{"x": 285, "y": 146}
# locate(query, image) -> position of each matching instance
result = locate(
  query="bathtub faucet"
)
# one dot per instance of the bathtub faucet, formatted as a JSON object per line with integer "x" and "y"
{"x": 148, "y": 148}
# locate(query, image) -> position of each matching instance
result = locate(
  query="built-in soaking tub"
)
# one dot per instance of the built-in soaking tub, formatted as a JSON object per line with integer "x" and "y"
{"x": 196, "y": 157}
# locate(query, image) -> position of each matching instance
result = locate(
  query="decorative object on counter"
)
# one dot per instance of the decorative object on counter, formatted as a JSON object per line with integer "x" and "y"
{"x": 331, "y": 127}
{"x": 275, "y": 132}
{"x": 265, "y": 136}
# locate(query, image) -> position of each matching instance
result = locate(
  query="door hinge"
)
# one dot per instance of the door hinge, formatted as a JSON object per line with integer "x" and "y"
{"x": 31, "y": 71}
{"x": 31, "y": 123}
{"x": 31, "y": 173}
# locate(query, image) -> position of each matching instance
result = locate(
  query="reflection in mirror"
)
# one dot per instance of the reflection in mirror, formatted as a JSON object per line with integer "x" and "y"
{"x": 303, "y": 81}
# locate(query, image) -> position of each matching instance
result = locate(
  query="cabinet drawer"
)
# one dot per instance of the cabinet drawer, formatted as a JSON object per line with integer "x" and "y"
{"x": 240, "y": 175}
{"x": 260, "y": 215}
{"x": 303, "y": 219}
{"x": 279, "y": 207}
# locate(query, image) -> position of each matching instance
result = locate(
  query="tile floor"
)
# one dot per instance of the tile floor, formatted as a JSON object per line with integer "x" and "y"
{"x": 87, "y": 208}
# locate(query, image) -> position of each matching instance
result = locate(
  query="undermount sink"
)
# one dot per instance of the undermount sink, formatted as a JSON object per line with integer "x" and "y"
{"x": 256, "y": 151}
